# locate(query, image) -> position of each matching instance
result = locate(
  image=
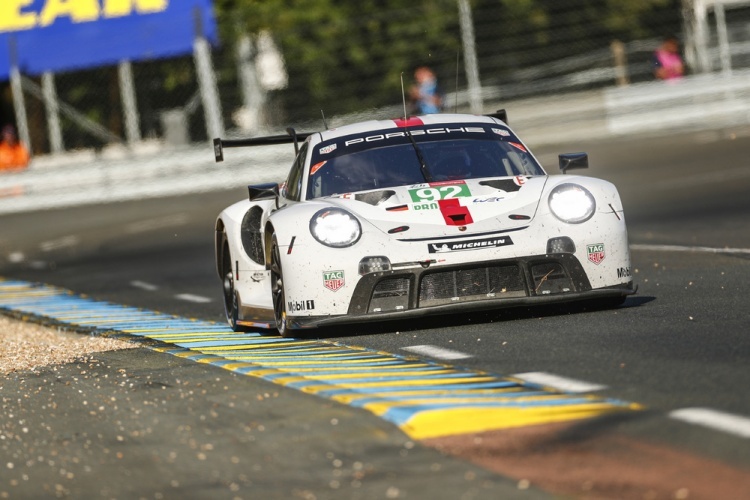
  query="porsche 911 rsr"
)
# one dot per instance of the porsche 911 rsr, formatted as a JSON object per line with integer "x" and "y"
{"x": 438, "y": 214}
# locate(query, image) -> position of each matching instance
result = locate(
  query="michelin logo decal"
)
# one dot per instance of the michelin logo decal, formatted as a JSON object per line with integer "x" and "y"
{"x": 458, "y": 246}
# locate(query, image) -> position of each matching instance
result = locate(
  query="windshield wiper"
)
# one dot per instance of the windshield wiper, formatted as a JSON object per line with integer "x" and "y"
{"x": 422, "y": 163}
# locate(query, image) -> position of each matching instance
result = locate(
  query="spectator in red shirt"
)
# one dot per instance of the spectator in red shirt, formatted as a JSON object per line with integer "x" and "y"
{"x": 13, "y": 154}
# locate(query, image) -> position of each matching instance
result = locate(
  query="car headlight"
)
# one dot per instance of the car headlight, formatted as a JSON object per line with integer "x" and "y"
{"x": 572, "y": 203}
{"x": 335, "y": 227}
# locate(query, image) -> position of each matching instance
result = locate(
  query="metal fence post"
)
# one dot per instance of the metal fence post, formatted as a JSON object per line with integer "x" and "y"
{"x": 721, "y": 30}
{"x": 253, "y": 95}
{"x": 620, "y": 56}
{"x": 19, "y": 105}
{"x": 470, "y": 57}
{"x": 700, "y": 35}
{"x": 129, "y": 105}
{"x": 207, "y": 82}
{"x": 52, "y": 107}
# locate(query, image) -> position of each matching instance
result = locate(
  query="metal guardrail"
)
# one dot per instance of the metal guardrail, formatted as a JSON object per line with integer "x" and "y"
{"x": 703, "y": 102}
{"x": 696, "y": 102}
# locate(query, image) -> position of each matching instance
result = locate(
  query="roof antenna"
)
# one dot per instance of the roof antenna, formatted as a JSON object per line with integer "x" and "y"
{"x": 455, "y": 105}
{"x": 403, "y": 96}
{"x": 325, "y": 123}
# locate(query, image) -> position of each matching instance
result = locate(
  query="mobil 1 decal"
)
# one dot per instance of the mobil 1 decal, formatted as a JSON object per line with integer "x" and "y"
{"x": 333, "y": 280}
{"x": 440, "y": 191}
{"x": 293, "y": 306}
{"x": 595, "y": 253}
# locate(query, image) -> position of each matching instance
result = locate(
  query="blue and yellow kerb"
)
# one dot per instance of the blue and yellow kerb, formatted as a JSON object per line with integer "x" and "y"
{"x": 425, "y": 399}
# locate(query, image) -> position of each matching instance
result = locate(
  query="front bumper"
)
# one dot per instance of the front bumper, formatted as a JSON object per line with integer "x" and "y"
{"x": 428, "y": 290}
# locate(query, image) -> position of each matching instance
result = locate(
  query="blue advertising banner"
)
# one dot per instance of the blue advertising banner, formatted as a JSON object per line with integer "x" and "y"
{"x": 65, "y": 35}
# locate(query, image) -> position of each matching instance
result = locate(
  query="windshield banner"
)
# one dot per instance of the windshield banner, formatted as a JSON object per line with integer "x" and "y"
{"x": 65, "y": 35}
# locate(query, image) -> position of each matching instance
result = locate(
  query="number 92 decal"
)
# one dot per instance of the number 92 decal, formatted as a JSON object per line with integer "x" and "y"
{"x": 439, "y": 192}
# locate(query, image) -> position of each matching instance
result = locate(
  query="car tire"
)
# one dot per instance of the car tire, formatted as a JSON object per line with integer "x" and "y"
{"x": 277, "y": 289}
{"x": 231, "y": 299}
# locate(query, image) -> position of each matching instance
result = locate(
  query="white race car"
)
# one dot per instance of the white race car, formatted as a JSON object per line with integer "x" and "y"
{"x": 437, "y": 214}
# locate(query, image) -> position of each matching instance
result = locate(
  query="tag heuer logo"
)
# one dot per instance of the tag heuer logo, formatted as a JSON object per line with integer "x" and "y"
{"x": 333, "y": 280}
{"x": 596, "y": 253}
{"x": 328, "y": 149}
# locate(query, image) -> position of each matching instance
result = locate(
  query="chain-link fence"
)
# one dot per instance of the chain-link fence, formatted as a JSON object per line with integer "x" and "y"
{"x": 347, "y": 61}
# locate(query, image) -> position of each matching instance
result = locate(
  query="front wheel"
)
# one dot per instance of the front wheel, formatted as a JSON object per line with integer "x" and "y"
{"x": 231, "y": 301}
{"x": 277, "y": 290}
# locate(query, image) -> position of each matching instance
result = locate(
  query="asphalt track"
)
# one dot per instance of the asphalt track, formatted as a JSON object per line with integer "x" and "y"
{"x": 681, "y": 344}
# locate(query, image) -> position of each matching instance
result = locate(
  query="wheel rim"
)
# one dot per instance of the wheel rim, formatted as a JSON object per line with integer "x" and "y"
{"x": 277, "y": 289}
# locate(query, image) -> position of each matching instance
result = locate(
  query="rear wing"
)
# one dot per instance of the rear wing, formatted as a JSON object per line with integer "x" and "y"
{"x": 501, "y": 115}
{"x": 292, "y": 137}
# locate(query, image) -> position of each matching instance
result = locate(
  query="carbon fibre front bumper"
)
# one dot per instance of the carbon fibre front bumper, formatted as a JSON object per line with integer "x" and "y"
{"x": 428, "y": 290}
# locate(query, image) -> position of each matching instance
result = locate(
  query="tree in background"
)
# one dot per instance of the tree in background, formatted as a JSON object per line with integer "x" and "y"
{"x": 345, "y": 57}
{"x": 348, "y": 56}
{"x": 517, "y": 34}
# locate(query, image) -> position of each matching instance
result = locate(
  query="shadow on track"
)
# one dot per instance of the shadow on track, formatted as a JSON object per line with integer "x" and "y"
{"x": 500, "y": 315}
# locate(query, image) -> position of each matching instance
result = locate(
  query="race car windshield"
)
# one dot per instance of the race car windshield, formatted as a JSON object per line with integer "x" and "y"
{"x": 377, "y": 161}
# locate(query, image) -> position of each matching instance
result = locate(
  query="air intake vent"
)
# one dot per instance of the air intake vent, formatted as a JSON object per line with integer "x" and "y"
{"x": 466, "y": 285}
{"x": 550, "y": 278}
{"x": 390, "y": 294}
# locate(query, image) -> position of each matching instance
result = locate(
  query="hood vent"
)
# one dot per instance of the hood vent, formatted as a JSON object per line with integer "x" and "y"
{"x": 374, "y": 198}
{"x": 454, "y": 213}
{"x": 507, "y": 185}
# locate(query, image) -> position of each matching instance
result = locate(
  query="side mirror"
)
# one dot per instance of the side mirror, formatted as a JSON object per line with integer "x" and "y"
{"x": 573, "y": 160}
{"x": 267, "y": 191}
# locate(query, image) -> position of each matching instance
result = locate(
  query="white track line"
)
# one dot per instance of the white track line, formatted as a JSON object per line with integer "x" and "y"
{"x": 144, "y": 286}
{"x": 16, "y": 257}
{"x": 680, "y": 248}
{"x": 198, "y": 299}
{"x": 720, "y": 421}
{"x": 157, "y": 223}
{"x": 67, "y": 241}
{"x": 703, "y": 178}
{"x": 436, "y": 352}
{"x": 560, "y": 383}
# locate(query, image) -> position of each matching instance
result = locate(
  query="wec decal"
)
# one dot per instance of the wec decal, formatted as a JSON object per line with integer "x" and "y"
{"x": 491, "y": 199}
{"x": 596, "y": 253}
{"x": 623, "y": 272}
{"x": 333, "y": 280}
{"x": 457, "y": 246}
